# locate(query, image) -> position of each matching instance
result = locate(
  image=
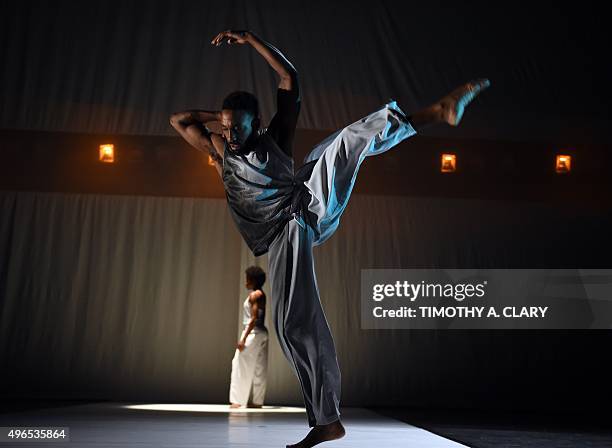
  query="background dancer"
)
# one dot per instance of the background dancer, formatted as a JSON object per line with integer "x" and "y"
{"x": 250, "y": 362}
{"x": 286, "y": 213}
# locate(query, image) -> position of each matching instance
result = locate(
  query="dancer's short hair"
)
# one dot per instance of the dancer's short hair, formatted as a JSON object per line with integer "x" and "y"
{"x": 241, "y": 100}
{"x": 256, "y": 274}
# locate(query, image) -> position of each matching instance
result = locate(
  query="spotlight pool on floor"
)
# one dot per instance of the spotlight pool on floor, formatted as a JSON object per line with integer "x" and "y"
{"x": 214, "y": 408}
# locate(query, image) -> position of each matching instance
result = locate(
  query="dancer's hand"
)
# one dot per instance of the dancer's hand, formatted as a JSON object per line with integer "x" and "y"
{"x": 231, "y": 37}
{"x": 240, "y": 345}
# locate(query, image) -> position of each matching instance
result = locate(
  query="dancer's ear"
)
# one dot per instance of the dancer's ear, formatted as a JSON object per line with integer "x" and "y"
{"x": 255, "y": 123}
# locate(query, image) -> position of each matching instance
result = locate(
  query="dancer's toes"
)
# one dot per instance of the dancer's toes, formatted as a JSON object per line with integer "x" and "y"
{"x": 234, "y": 406}
{"x": 454, "y": 104}
{"x": 321, "y": 433}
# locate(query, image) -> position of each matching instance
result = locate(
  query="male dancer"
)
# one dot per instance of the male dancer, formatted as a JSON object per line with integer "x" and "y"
{"x": 286, "y": 213}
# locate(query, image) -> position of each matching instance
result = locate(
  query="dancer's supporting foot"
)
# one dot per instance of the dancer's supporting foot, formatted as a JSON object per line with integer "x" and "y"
{"x": 235, "y": 405}
{"x": 450, "y": 108}
{"x": 321, "y": 433}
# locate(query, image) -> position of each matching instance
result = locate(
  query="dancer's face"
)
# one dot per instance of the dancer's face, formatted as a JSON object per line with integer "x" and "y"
{"x": 237, "y": 127}
{"x": 249, "y": 283}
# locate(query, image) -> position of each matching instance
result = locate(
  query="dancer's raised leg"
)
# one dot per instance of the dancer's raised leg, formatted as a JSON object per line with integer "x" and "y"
{"x": 337, "y": 158}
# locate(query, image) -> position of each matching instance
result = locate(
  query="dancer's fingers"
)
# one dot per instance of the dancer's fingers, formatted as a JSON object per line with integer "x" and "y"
{"x": 219, "y": 41}
{"x": 219, "y": 38}
{"x": 215, "y": 39}
{"x": 229, "y": 36}
{"x": 234, "y": 37}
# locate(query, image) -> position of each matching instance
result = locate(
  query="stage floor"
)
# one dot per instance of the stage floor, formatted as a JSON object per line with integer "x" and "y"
{"x": 147, "y": 425}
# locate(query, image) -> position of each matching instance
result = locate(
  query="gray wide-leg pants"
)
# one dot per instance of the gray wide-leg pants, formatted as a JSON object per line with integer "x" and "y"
{"x": 299, "y": 320}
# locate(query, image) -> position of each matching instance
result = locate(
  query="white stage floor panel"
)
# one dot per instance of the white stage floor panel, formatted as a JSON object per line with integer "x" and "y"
{"x": 130, "y": 425}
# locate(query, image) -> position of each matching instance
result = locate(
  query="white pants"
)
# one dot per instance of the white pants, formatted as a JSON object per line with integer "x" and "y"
{"x": 249, "y": 368}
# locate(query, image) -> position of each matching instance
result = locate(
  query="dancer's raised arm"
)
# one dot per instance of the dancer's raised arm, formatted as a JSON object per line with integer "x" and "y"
{"x": 281, "y": 65}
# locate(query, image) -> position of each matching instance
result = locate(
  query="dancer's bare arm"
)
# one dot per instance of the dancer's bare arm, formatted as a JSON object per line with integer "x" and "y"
{"x": 254, "y": 301}
{"x": 191, "y": 125}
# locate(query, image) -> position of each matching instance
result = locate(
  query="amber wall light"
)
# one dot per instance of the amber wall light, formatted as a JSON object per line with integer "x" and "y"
{"x": 107, "y": 153}
{"x": 563, "y": 163}
{"x": 449, "y": 163}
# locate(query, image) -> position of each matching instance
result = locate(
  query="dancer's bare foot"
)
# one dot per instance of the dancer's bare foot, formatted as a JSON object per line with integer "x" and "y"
{"x": 453, "y": 104}
{"x": 234, "y": 405}
{"x": 321, "y": 433}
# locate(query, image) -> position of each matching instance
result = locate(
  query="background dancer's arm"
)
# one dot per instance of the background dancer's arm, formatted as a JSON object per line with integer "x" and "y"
{"x": 191, "y": 125}
{"x": 254, "y": 301}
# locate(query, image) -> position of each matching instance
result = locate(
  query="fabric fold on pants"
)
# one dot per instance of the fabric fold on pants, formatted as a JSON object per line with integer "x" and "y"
{"x": 249, "y": 369}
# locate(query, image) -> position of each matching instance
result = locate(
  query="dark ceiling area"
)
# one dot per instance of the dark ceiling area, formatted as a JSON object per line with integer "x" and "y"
{"x": 124, "y": 67}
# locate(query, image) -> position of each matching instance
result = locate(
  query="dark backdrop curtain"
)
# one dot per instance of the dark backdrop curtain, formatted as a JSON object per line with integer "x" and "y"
{"x": 124, "y": 298}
